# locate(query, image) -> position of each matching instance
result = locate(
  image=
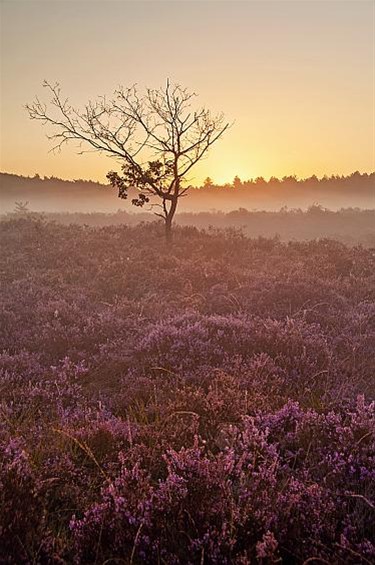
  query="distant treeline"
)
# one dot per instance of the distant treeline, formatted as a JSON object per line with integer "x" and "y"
{"x": 351, "y": 226}
{"x": 54, "y": 194}
{"x": 360, "y": 179}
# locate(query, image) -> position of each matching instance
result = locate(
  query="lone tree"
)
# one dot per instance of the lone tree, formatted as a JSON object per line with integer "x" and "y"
{"x": 156, "y": 136}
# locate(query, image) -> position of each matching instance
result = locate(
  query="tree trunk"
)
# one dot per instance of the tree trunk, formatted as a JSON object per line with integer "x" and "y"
{"x": 168, "y": 229}
{"x": 169, "y": 219}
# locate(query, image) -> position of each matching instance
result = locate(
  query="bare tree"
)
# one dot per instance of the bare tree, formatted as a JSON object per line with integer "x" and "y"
{"x": 156, "y": 137}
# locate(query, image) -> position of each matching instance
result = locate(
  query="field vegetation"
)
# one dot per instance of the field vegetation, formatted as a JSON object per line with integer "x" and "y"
{"x": 209, "y": 402}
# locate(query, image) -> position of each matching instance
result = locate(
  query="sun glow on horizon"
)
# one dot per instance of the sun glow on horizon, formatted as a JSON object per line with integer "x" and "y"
{"x": 300, "y": 107}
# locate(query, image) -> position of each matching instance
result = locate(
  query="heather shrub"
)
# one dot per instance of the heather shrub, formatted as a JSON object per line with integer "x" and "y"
{"x": 21, "y": 516}
{"x": 224, "y": 505}
{"x": 191, "y": 341}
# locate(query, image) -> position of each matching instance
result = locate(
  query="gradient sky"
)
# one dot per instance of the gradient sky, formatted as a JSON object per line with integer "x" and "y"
{"x": 297, "y": 77}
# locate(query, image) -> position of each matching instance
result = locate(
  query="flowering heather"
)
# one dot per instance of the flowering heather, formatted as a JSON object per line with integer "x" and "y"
{"x": 211, "y": 403}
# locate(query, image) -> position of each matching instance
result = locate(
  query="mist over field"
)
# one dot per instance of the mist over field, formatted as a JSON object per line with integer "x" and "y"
{"x": 288, "y": 209}
{"x": 56, "y": 195}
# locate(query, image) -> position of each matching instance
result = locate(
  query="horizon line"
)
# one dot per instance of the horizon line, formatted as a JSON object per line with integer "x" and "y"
{"x": 266, "y": 179}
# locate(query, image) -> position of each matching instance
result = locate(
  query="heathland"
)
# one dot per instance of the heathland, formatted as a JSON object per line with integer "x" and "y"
{"x": 207, "y": 401}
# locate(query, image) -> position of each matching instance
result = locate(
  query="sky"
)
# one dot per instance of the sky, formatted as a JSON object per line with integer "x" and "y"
{"x": 296, "y": 78}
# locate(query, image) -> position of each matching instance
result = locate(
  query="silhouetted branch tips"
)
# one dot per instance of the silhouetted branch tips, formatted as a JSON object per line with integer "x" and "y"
{"x": 156, "y": 137}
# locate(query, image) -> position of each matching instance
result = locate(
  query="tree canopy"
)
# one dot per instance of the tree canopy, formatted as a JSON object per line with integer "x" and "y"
{"x": 156, "y": 136}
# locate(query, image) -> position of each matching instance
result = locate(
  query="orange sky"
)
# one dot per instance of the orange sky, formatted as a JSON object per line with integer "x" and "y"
{"x": 297, "y": 77}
